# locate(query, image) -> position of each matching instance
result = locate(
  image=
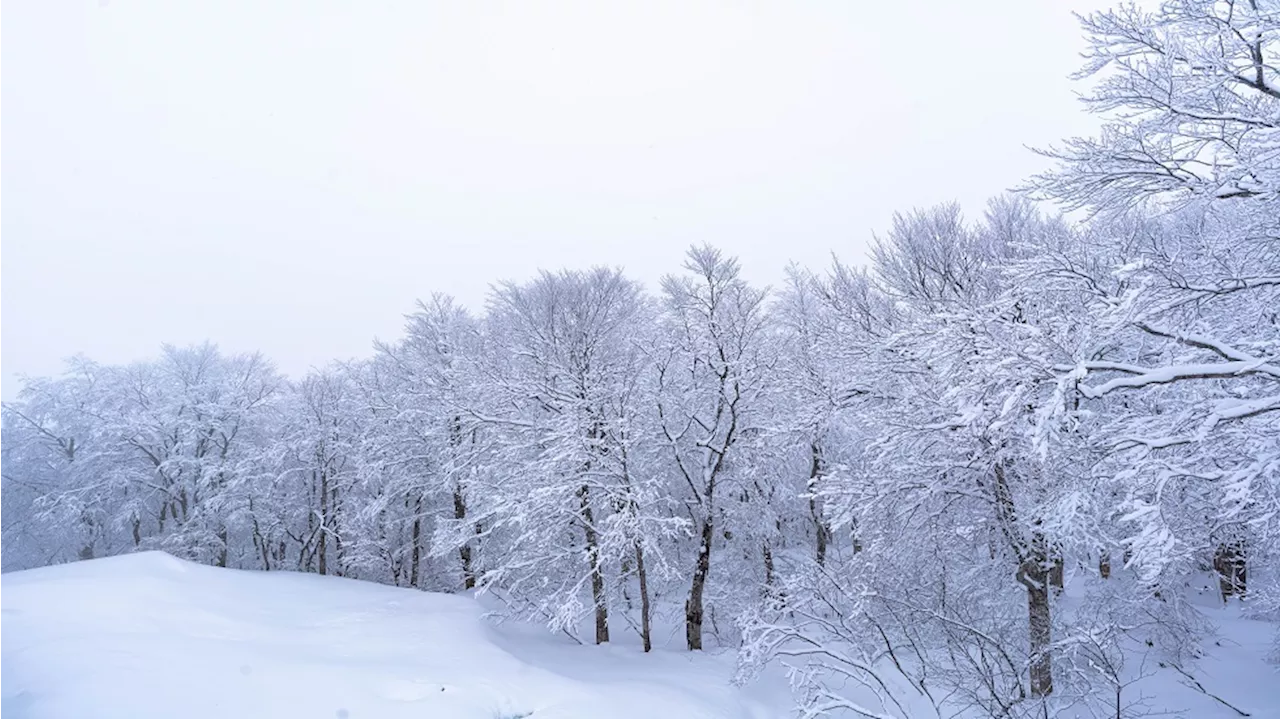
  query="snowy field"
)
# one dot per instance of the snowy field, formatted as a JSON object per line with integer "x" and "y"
{"x": 147, "y": 636}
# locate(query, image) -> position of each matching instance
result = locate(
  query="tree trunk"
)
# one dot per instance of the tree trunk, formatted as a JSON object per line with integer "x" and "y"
{"x": 768, "y": 567}
{"x": 1229, "y": 562}
{"x": 1104, "y": 565}
{"x": 322, "y": 548}
{"x": 822, "y": 533}
{"x": 335, "y": 523}
{"x": 1034, "y": 575}
{"x": 646, "y": 634}
{"x": 693, "y": 607}
{"x": 464, "y": 552}
{"x": 222, "y": 551}
{"x": 260, "y": 542}
{"x": 415, "y": 556}
{"x": 598, "y": 598}
{"x": 1041, "y": 661}
{"x": 1034, "y": 569}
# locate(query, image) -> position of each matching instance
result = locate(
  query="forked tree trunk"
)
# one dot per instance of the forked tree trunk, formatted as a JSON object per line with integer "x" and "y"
{"x": 693, "y": 607}
{"x": 259, "y": 541}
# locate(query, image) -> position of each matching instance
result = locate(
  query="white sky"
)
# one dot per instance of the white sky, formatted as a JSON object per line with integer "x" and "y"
{"x": 290, "y": 176}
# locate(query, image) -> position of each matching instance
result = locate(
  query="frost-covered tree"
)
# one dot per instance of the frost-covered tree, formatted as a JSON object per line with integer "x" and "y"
{"x": 564, "y": 499}
{"x": 55, "y": 507}
{"x": 303, "y": 519}
{"x": 1183, "y": 271}
{"x": 711, "y": 373}
{"x": 152, "y": 455}
{"x": 967, "y": 467}
{"x": 427, "y": 391}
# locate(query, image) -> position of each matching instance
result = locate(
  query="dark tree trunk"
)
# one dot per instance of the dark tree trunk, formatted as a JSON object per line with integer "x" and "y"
{"x": 1104, "y": 565}
{"x": 460, "y": 507}
{"x": 646, "y": 634}
{"x": 222, "y": 551}
{"x": 1057, "y": 571}
{"x": 1035, "y": 575}
{"x": 693, "y": 607}
{"x": 1035, "y": 566}
{"x": 334, "y": 524}
{"x": 260, "y": 542}
{"x": 1041, "y": 661}
{"x": 416, "y": 553}
{"x": 464, "y": 552}
{"x": 768, "y": 567}
{"x": 821, "y": 532}
{"x": 1229, "y": 562}
{"x": 323, "y": 544}
{"x": 598, "y": 598}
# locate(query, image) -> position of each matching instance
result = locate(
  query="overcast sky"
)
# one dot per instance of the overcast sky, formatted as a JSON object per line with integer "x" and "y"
{"x": 290, "y": 176}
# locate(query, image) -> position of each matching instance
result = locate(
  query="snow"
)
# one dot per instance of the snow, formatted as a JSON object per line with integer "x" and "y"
{"x": 1234, "y": 668}
{"x": 147, "y": 635}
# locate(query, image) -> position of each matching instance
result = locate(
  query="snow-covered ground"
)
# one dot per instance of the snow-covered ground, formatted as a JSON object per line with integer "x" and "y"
{"x": 148, "y": 636}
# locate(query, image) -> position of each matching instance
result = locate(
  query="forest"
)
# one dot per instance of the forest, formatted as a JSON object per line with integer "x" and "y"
{"x": 890, "y": 468}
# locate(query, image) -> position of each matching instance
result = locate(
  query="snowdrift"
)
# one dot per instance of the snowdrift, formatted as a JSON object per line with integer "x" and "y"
{"x": 148, "y": 636}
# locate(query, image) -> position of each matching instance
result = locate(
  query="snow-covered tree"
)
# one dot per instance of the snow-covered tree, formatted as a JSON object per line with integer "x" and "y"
{"x": 1183, "y": 271}
{"x": 711, "y": 375}
{"x": 564, "y": 498}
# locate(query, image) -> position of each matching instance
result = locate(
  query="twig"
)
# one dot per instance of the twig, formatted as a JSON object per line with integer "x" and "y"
{"x": 1200, "y": 687}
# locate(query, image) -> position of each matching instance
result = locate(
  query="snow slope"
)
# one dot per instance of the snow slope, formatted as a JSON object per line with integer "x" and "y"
{"x": 148, "y": 636}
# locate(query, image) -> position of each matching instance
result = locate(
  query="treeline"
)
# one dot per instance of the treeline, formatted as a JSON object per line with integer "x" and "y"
{"x": 889, "y": 470}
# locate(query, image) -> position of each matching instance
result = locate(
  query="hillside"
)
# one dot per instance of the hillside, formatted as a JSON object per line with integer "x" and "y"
{"x": 149, "y": 636}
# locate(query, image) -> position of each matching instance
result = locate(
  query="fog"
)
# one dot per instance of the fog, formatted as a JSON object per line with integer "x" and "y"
{"x": 289, "y": 177}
